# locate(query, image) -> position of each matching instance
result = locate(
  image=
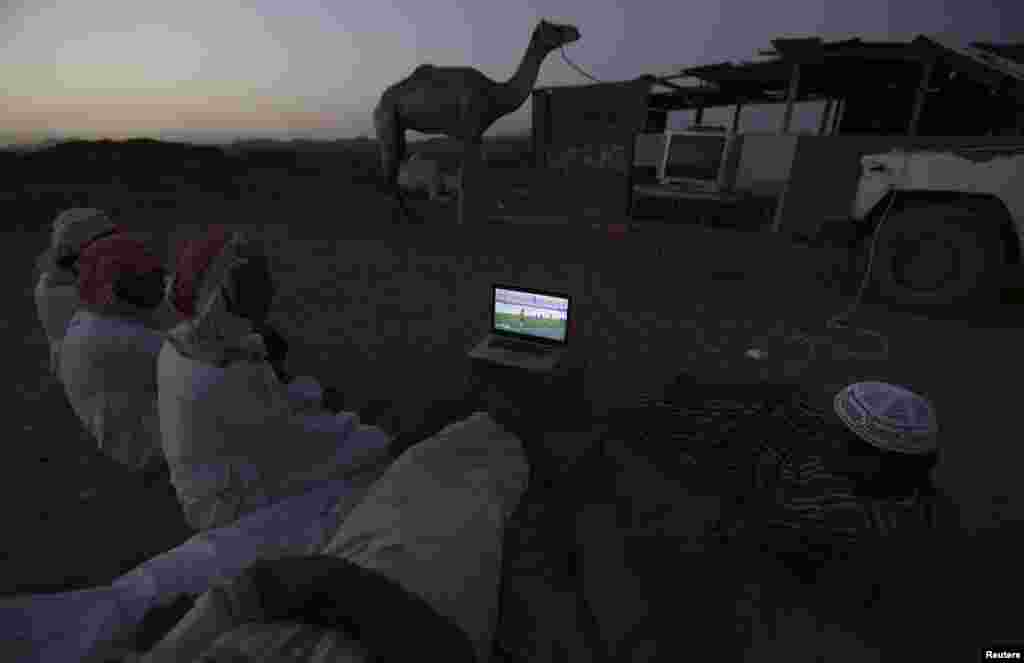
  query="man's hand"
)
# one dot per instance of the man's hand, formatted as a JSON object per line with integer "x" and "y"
{"x": 277, "y": 346}
{"x": 277, "y": 351}
{"x": 283, "y": 376}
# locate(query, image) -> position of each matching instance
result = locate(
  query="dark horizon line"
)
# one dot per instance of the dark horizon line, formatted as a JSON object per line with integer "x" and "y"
{"x": 13, "y": 140}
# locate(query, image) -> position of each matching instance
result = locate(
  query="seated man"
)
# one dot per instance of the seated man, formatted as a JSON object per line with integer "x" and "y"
{"x": 853, "y": 476}
{"x": 232, "y": 432}
{"x": 850, "y": 522}
{"x": 421, "y": 553}
{"x": 381, "y": 548}
{"x": 108, "y": 356}
{"x": 56, "y": 292}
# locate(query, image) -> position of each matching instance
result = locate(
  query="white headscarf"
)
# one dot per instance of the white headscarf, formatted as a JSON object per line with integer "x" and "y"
{"x": 72, "y": 230}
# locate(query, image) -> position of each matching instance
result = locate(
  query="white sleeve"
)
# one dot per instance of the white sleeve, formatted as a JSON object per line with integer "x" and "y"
{"x": 70, "y": 626}
{"x": 150, "y": 341}
{"x": 304, "y": 393}
{"x": 261, "y": 396}
{"x": 191, "y": 568}
{"x": 126, "y": 426}
{"x": 352, "y": 445}
{"x": 311, "y": 438}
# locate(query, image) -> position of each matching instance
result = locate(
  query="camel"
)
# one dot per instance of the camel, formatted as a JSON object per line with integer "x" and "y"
{"x": 458, "y": 102}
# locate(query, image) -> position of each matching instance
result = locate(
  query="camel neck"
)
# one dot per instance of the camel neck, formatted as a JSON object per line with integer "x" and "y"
{"x": 516, "y": 89}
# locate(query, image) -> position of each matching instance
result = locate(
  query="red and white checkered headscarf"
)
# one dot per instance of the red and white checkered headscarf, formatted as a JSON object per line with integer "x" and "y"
{"x": 193, "y": 262}
{"x": 104, "y": 261}
{"x": 205, "y": 266}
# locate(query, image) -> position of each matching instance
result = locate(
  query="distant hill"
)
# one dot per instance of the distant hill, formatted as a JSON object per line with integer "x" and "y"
{"x": 34, "y": 144}
{"x": 145, "y": 164}
{"x": 21, "y": 144}
{"x": 140, "y": 160}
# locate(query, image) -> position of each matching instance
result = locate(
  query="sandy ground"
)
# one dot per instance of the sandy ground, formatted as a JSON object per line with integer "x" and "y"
{"x": 76, "y": 519}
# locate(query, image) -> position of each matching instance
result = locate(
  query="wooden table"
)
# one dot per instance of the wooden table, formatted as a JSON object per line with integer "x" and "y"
{"x": 711, "y": 208}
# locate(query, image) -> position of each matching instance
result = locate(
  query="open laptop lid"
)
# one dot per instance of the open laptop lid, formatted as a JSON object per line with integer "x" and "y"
{"x": 529, "y": 314}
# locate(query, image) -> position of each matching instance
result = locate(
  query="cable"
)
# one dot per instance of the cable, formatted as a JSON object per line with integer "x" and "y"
{"x": 842, "y": 320}
{"x": 575, "y": 66}
{"x": 838, "y": 321}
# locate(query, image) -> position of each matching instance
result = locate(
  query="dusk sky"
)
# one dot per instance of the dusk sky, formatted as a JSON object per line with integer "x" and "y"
{"x": 212, "y": 70}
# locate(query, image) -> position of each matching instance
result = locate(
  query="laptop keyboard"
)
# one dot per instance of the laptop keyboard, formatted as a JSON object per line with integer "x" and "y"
{"x": 518, "y": 347}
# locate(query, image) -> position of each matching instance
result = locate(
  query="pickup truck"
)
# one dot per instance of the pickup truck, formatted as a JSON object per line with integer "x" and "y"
{"x": 941, "y": 227}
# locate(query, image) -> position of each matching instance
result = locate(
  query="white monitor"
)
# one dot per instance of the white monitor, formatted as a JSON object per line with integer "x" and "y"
{"x": 650, "y": 150}
{"x": 696, "y": 158}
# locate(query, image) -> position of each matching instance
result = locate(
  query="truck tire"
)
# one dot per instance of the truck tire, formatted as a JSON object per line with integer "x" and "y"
{"x": 937, "y": 256}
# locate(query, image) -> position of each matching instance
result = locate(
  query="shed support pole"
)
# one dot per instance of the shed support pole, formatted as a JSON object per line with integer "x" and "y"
{"x": 922, "y": 94}
{"x": 837, "y": 115}
{"x": 794, "y": 86}
{"x": 826, "y": 115}
{"x": 735, "y": 128}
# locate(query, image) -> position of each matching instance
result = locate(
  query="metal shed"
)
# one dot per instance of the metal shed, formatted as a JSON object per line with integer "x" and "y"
{"x": 925, "y": 82}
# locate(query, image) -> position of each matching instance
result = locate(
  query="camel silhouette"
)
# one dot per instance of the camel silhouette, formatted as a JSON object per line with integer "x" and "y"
{"x": 458, "y": 102}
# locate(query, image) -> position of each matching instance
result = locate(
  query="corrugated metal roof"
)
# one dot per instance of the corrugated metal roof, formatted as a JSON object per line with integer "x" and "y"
{"x": 992, "y": 56}
{"x": 983, "y": 57}
{"x": 835, "y": 66}
{"x": 833, "y": 60}
{"x": 1014, "y": 52}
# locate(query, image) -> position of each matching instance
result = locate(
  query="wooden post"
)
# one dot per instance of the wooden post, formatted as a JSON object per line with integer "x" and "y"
{"x": 735, "y": 128}
{"x": 537, "y": 128}
{"x": 837, "y": 115}
{"x": 699, "y": 118}
{"x": 470, "y": 180}
{"x": 541, "y": 127}
{"x": 463, "y": 202}
{"x": 794, "y": 86}
{"x": 826, "y": 115}
{"x": 922, "y": 94}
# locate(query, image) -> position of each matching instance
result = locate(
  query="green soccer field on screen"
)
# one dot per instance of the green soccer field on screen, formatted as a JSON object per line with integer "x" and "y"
{"x": 537, "y": 324}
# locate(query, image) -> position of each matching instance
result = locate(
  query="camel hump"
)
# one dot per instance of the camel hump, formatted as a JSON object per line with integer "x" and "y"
{"x": 423, "y": 70}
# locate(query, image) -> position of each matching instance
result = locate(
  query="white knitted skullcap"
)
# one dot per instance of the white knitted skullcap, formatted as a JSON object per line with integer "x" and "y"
{"x": 889, "y": 417}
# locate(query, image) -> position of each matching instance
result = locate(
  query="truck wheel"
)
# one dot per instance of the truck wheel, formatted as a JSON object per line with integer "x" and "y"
{"x": 937, "y": 256}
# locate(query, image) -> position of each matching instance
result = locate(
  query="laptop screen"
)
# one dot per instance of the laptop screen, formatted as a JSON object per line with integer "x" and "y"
{"x": 531, "y": 314}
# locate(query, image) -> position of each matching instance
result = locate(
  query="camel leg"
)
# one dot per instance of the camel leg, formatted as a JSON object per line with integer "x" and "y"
{"x": 392, "y": 164}
{"x": 403, "y": 213}
{"x": 471, "y": 161}
{"x": 435, "y": 189}
{"x": 392, "y": 153}
{"x": 403, "y": 207}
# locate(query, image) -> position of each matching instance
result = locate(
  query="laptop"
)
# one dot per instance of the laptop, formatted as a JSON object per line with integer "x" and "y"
{"x": 529, "y": 328}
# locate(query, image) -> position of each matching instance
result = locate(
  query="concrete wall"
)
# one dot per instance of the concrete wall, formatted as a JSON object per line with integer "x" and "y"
{"x": 765, "y": 163}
